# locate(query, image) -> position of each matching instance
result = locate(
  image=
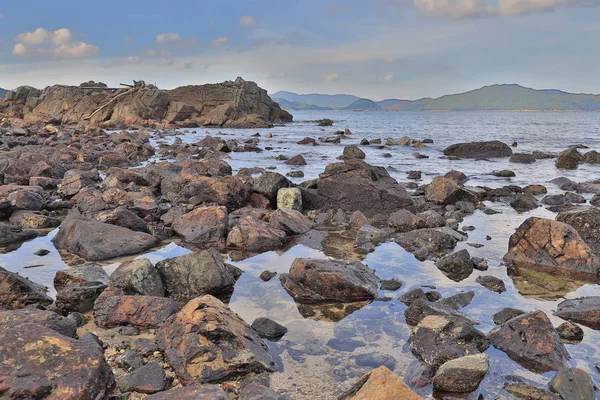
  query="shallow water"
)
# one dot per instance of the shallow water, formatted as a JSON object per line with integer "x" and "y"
{"x": 308, "y": 367}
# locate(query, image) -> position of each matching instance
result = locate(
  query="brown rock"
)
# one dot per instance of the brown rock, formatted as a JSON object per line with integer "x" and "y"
{"x": 380, "y": 384}
{"x": 254, "y": 234}
{"x": 586, "y": 220}
{"x": 194, "y": 392}
{"x": 290, "y": 221}
{"x": 203, "y": 227}
{"x": 445, "y": 191}
{"x": 18, "y": 292}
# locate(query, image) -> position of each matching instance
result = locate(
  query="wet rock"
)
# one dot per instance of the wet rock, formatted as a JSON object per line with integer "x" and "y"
{"x": 381, "y": 383}
{"x": 586, "y": 220}
{"x": 553, "y": 247}
{"x": 565, "y": 183}
{"x": 267, "y": 275}
{"x": 98, "y": 241}
{"x": 412, "y": 295}
{"x": 462, "y": 375}
{"x": 296, "y": 160}
{"x": 433, "y": 295}
{"x": 369, "y": 234}
{"x": 591, "y": 157}
{"x": 254, "y": 234}
{"x": 325, "y": 122}
{"x": 204, "y": 227}
{"x": 457, "y": 266}
{"x": 391, "y": 284}
{"x": 206, "y": 342}
{"x": 269, "y": 183}
{"x": 421, "y": 376}
{"x": 528, "y": 391}
{"x": 355, "y": 185}
{"x": 138, "y": 277}
{"x": 491, "y": 149}
{"x": 522, "y": 158}
{"x": 314, "y": 281}
{"x": 458, "y": 177}
{"x": 480, "y": 263}
{"x": 531, "y": 341}
{"x": 535, "y": 189}
{"x": 492, "y": 283}
{"x": 10, "y": 234}
{"x": 505, "y": 173}
{"x": 49, "y": 319}
{"x": 346, "y": 345}
{"x": 525, "y": 202}
{"x": 256, "y": 391}
{"x": 268, "y": 328}
{"x": 193, "y": 392}
{"x": 150, "y": 378}
{"x": 123, "y": 217}
{"x": 353, "y": 153}
{"x": 573, "y": 384}
{"x": 308, "y": 140}
{"x": 570, "y": 332}
{"x": 459, "y": 300}
{"x": 415, "y": 175}
{"x": 506, "y": 314}
{"x": 568, "y": 159}
{"x": 197, "y": 274}
{"x": 585, "y": 311}
{"x": 429, "y": 243}
{"x": 290, "y": 221}
{"x": 114, "y": 308}
{"x": 404, "y": 221}
{"x": 374, "y": 360}
{"x": 18, "y": 292}
{"x": 445, "y": 191}
{"x": 289, "y": 198}
{"x": 421, "y": 308}
{"x": 51, "y": 365}
{"x": 33, "y": 220}
{"x": 439, "y": 339}
{"x": 74, "y": 181}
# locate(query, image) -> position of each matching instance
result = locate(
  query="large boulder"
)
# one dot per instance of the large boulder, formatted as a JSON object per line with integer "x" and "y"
{"x": 314, "y": 281}
{"x": 491, "y": 149}
{"x": 203, "y": 227}
{"x": 445, "y": 191}
{"x": 37, "y": 362}
{"x": 10, "y": 234}
{"x": 530, "y": 340}
{"x": 96, "y": 241}
{"x": 290, "y": 221}
{"x": 585, "y": 311}
{"x": 138, "y": 277}
{"x": 18, "y": 292}
{"x": 206, "y": 342}
{"x": 380, "y": 384}
{"x": 254, "y": 234}
{"x": 196, "y": 274}
{"x": 355, "y": 185}
{"x": 552, "y": 247}
{"x": 49, "y": 319}
{"x": 429, "y": 243}
{"x": 586, "y": 220}
{"x": 269, "y": 183}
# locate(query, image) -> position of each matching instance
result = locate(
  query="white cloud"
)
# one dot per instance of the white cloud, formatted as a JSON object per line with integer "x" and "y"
{"x": 246, "y": 20}
{"x": 519, "y": 7}
{"x": 219, "y": 42}
{"x": 457, "y": 9}
{"x": 43, "y": 43}
{"x": 387, "y": 78}
{"x": 165, "y": 38}
{"x": 331, "y": 77}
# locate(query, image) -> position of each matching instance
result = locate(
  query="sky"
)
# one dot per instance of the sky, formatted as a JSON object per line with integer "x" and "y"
{"x": 376, "y": 49}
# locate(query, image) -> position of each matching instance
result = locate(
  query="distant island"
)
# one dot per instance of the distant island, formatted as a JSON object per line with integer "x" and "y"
{"x": 488, "y": 98}
{"x": 3, "y": 93}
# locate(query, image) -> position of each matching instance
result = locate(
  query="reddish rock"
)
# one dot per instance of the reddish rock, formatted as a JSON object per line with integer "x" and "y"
{"x": 203, "y": 227}
{"x": 290, "y": 221}
{"x": 18, "y": 292}
{"x": 445, "y": 191}
{"x": 380, "y": 384}
{"x": 254, "y": 234}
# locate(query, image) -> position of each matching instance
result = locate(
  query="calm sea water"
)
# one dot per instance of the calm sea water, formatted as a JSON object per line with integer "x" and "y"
{"x": 308, "y": 367}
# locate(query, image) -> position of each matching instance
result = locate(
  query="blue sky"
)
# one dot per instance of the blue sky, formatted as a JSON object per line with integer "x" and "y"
{"x": 371, "y": 48}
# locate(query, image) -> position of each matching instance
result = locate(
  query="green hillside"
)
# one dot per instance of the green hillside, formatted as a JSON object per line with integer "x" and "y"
{"x": 363, "y": 104}
{"x": 320, "y": 100}
{"x": 296, "y": 105}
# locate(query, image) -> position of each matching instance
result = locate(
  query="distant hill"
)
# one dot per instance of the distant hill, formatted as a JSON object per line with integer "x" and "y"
{"x": 363, "y": 104}
{"x": 495, "y": 97}
{"x": 3, "y": 93}
{"x": 320, "y": 100}
{"x": 296, "y": 105}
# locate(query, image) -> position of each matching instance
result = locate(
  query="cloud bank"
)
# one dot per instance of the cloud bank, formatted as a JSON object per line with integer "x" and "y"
{"x": 58, "y": 44}
{"x": 458, "y": 9}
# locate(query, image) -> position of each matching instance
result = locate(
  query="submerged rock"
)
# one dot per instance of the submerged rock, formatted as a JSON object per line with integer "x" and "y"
{"x": 268, "y": 328}
{"x": 317, "y": 281}
{"x": 492, "y": 283}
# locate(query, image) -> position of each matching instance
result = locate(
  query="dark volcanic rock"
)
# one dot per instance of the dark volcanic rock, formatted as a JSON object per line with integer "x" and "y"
{"x": 207, "y": 342}
{"x": 290, "y": 221}
{"x": 203, "y": 227}
{"x": 268, "y": 328}
{"x": 412, "y": 295}
{"x": 355, "y": 185}
{"x": 98, "y": 241}
{"x": 492, "y": 283}
{"x": 49, "y": 319}
{"x": 445, "y": 191}
{"x": 78, "y": 297}
{"x": 150, "y": 378}
{"x": 525, "y": 202}
{"x": 459, "y": 300}
{"x": 138, "y": 277}
{"x": 18, "y": 292}
{"x": 269, "y": 183}
{"x": 10, "y": 234}
{"x": 314, "y": 281}
{"x": 51, "y": 366}
{"x": 194, "y": 392}
{"x": 531, "y": 340}
{"x": 462, "y": 375}
{"x": 429, "y": 242}
{"x": 569, "y": 331}
{"x": 586, "y": 220}
{"x": 390, "y": 284}
{"x": 421, "y": 308}
{"x": 568, "y": 159}
{"x": 457, "y": 266}
{"x": 573, "y": 384}
{"x": 492, "y": 149}
{"x": 404, "y": 221}
{"x": 197, "y": 274}
{"x": 585, "y": 311}
{"x": 522, "y": 158}
{"x": 506, "y": 314}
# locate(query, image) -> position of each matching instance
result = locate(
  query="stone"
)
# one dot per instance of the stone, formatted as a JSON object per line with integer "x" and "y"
{"x": 123, "y": 217}
{"x": 19, "y": 292}
{"x": 97, "y": 241}
{"x": 522, "y": 158}
{"x": 573, "y": 384}
{"x": 525, "y": 202}
{"x": 528, "y": 391}
{"x": 412, "y": 295}
{"x": 390, "y": 284}
{"x": 445, "y": 191}
{"x": 462, "y": 375}
{"x": 586, "y": 220}
{"x": 318, "y": 281}
{"x": 113, "y": 308}
{"x": 429, "y": 243}
{"x": 459, "y": 300}
{"x": 491, "y": 149}
{"x": 506, "y": 314}
{"x": 51, "y": 366}
{"x": 10, "y": 234}
{"x": 431, "y": 219}
{"x": 296, "y": 160}
{"x": 456, "y": 266}
{"x": 423, "y": 307}
{"x": 74, "y": 181}
{"x": 78, "y": 296}
{"x": 289, "y": 198}
{"x": 458, "y": 177}
{"x": 193, "y": 392}
{"x": 204, "y": 227}
{"x": 380, "y": 384}
{"x": 584, "y": 311}
{"x": 254, "y": 234}
{"x": 267, "y": 328}
{"x": 206, "y": 342}
{"x": 187, "y": 277}
{"x": 369, "y": 234}
{"x": 138, "y": 277}
{"x": 129, "y": 361}
{"x": 504, "y": 173}
{"x": 256, "y": 391}
{"x": 568, "y": 159}
{"x": 83, "y": 274}
{"x": 531, "y": 341}
{"x": 552, "y": 247}
{"x": 570, "y": 332}
{"x": 353, "y": 152}
{"x": 269, "y": 183}
{"x": 535, "y": 189}
{"x": 150, "y": 378}
{"x": 33, "y": 220}
{"x": 63, "y": 325}
{"x": 405, "y": 221}
{"x": 267, "y": 275}
{"x": 290, "y": 221}
{"x": 344, "y": 344}
{"x": 439, "y": 339}
{"x": 492, "y": 283}
{"x": 354, "y": 185}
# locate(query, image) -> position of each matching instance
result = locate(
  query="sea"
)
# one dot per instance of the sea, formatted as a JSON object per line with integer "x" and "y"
{"x": 326, "y": 349}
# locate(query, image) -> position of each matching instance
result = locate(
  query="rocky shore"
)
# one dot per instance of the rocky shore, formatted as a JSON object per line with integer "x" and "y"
{"x": 162, "y": 330}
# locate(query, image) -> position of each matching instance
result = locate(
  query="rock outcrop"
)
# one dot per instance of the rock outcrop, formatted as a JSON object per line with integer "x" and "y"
{"x": 492, "y": 149}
